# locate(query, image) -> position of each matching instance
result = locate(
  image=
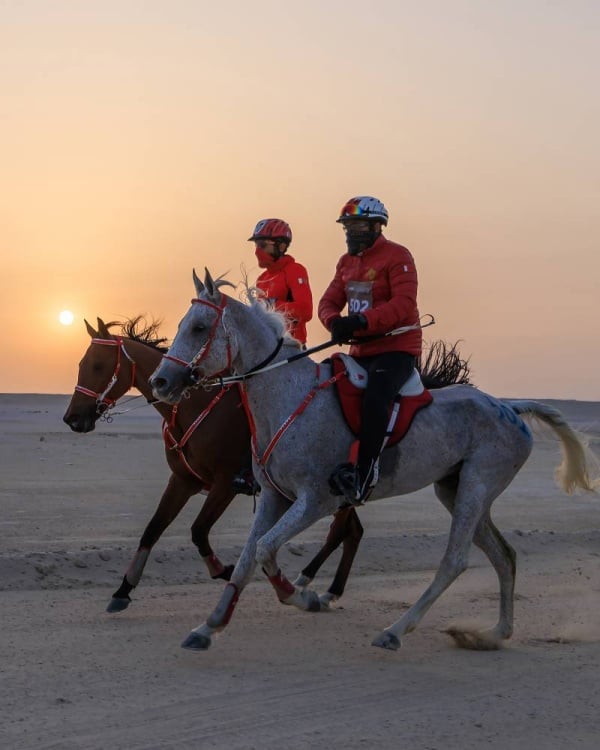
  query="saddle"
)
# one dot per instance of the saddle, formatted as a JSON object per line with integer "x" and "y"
{"x": 412, "y": 397}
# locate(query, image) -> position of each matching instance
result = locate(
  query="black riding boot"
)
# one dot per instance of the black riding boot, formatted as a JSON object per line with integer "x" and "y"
{"x": 387, "y": 373}
{"x": 353, "y": 482}
{"x": 243, "y": 482}
{"x": 355, "y": 479}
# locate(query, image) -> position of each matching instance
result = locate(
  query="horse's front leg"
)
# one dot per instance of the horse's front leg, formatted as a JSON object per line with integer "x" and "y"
{"x": 218, "y": 499}
{"x": 177, "y": 492}
{"x": 271, "y": 506}
{"x": 302, "y": 514}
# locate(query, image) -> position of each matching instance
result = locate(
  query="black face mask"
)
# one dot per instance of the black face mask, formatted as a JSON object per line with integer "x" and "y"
{"x": 356, "y": 242}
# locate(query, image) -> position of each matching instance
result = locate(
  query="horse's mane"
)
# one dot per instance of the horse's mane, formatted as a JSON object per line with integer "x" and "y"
{"x": 140, "y": 330}
{"x": 274, "y": 319}
{"x": 442, "y": 365}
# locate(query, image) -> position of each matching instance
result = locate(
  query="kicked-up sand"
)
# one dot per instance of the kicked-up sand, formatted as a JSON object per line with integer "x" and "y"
{"x": 74, "y": 677}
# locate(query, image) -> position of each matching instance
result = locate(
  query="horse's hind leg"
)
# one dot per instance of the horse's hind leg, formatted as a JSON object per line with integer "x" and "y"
{"x": 471, "y": 501}
{"x": 345, "y": 529}
{"x": 502, "y": 557}
{"x": 218, "y": 499}
{"x": 177, "y": 492}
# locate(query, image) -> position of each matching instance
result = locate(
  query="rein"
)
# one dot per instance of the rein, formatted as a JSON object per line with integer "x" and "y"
{"x": 266, "y": 367}
{"x": 193, "y": 363}
{"x": 262, "y": 366}
{"x": 103, "y": 402}
{"x": 148, "y": 402}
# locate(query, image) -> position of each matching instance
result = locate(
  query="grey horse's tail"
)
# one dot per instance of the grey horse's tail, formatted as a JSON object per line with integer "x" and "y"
{"x": 578, "y": 460}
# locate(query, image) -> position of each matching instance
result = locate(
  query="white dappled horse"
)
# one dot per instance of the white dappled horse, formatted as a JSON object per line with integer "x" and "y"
{"x": 468, "y": 444}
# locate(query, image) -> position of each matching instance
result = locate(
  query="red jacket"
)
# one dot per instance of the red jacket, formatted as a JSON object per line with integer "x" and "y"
{"x": 286, "y": 283}
{"x": 386, "y": 295}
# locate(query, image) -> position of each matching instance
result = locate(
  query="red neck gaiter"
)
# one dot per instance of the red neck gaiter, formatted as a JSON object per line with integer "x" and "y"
{"x": 264, "y": 259}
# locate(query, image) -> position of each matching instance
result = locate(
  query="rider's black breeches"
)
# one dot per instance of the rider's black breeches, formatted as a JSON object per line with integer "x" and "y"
{"x": 387, "y": 374}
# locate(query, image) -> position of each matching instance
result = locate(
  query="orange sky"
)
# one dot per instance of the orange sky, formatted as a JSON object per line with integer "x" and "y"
{"x": 141, "y": 139}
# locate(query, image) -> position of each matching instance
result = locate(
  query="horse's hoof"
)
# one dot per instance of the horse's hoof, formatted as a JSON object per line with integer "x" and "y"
{"x": 475, "y": 640}
{"x": 326, "y": 600}
{"x": 225, "y": 574}
{"x": 196, "y": 642}
{"x": 386, "y": 640}
{"x": 312, "y": 601}
{"x": 118, "y": 604}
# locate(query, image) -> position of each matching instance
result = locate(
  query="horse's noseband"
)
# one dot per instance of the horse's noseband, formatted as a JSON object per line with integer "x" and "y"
{"x": 103, "y": 402}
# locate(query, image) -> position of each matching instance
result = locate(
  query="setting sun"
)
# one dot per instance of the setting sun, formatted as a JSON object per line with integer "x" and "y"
{"x": 66, "y": 317}
{"x": 110, "y": 195}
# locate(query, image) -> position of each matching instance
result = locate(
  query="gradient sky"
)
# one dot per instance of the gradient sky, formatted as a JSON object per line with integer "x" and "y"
{"x": 142, "y": 139}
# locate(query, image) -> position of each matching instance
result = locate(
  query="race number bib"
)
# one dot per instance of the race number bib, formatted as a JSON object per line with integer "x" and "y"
{"x": 359, "y": 295}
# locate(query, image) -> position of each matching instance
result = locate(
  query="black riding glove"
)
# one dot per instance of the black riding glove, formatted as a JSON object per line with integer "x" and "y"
{"x": 343, "y": 328}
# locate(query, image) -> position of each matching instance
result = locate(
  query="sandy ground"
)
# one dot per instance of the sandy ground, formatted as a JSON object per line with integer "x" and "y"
{"x": 74, "y": 677}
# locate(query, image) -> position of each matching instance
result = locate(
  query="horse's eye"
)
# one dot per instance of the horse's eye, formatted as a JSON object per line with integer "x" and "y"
{"x": 98, "y": 367}
{"x": 197, "y": 329}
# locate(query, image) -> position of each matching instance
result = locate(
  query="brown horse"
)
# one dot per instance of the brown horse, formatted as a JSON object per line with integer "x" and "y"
{"x": 207, "y": 442}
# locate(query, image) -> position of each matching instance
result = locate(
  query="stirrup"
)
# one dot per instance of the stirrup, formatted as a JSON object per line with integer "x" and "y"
{"x": 365, "y": 486}
{"x": 345, "y": 480}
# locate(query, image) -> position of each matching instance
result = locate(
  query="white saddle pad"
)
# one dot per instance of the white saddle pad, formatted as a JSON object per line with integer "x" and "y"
{"x": 357, "y": 375}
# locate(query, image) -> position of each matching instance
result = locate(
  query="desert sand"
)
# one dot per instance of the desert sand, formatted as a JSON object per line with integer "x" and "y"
{"x": 75, "y": 677}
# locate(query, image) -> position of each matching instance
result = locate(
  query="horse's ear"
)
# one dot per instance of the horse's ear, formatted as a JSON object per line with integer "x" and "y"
{"x": 197, "y": 283}
{"x": 90, "y": 330}
{"x": 103, "y": 330}
{"x": 211, "y": 286}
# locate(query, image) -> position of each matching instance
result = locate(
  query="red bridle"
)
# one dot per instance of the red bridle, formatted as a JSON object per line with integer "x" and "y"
{"x": 102, "y": 401}
{"x": 193, "y": 363}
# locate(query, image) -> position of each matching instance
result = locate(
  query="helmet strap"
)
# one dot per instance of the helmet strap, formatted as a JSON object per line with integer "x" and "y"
{"x": 278, "y": 252}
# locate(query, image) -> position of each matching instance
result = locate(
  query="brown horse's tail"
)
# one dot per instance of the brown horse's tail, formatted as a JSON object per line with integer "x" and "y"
{"x": 441, "y": 364}
{"x": 575, "y": 471}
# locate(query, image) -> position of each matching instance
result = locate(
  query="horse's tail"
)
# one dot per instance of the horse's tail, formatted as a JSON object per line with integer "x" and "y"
{"x": 578, "y": 460}
{"x": 443, "y": 365}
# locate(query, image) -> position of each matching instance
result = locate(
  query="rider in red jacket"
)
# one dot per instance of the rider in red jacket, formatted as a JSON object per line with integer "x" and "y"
{"x": 377, "y": 279}
{"x": 284, "y": 282}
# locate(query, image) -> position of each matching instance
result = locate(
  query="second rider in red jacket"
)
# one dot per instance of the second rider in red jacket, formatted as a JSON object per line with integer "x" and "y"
{"x": 284, "y": 281}
{"x": 284, "y": 284}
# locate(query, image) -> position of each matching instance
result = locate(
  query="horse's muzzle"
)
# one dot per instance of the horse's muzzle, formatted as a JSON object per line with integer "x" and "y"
{"x": 171, "y": 387}
{"x": 81, "y": 422}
